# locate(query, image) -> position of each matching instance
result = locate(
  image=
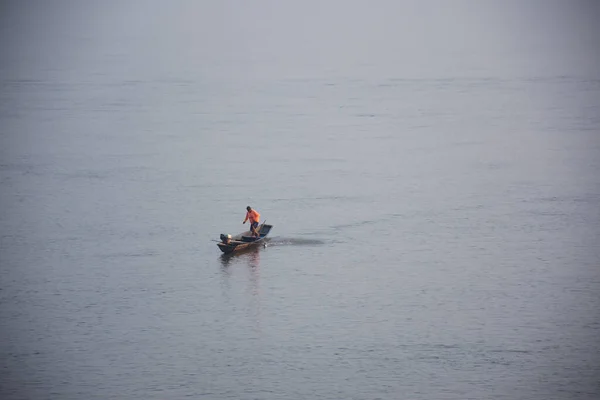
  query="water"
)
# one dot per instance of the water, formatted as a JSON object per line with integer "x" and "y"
{"x": 432, "y": 179}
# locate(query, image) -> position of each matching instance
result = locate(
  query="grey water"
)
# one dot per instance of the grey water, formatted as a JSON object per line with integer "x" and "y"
{"x": 431, "y": 170}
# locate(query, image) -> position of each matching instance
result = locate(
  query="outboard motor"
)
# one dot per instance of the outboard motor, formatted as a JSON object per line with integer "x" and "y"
{"x": 225, "y": 238}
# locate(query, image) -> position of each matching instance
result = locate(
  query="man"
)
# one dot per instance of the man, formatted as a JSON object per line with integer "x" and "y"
{"x": 254, "y": 218}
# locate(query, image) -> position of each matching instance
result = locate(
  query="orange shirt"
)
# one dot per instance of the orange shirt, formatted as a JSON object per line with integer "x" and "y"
{"x": 253, "y": 216}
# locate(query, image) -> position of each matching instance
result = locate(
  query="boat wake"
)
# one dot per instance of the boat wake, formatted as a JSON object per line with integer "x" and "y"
{"x": 286, "y": 241}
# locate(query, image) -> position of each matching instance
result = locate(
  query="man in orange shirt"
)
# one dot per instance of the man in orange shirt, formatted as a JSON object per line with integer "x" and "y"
{"x": 254, "y": 218}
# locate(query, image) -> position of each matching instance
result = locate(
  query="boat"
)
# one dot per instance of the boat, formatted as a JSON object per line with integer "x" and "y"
{"x": 244, "y": 240}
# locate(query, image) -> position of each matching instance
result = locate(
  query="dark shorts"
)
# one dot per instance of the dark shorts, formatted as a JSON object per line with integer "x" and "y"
{"x": 253, "y": 225}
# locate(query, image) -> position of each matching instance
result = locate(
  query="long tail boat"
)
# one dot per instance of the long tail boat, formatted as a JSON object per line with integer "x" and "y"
{"x": 244, "y": 240}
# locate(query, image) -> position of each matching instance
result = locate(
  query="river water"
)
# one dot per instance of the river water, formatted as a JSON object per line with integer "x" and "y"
{"x": 431, "y": 170}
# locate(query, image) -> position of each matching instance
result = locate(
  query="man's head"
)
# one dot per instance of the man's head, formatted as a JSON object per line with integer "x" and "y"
{"x": 249, "y": 208}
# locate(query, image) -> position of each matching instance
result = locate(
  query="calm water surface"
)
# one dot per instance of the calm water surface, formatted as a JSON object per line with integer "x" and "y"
{"x": 434, "y": 193}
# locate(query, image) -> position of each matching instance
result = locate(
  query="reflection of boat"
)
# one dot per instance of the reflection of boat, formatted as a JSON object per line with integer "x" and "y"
{"x": 249, "y": 256}
{"x": 244, "y": 240}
